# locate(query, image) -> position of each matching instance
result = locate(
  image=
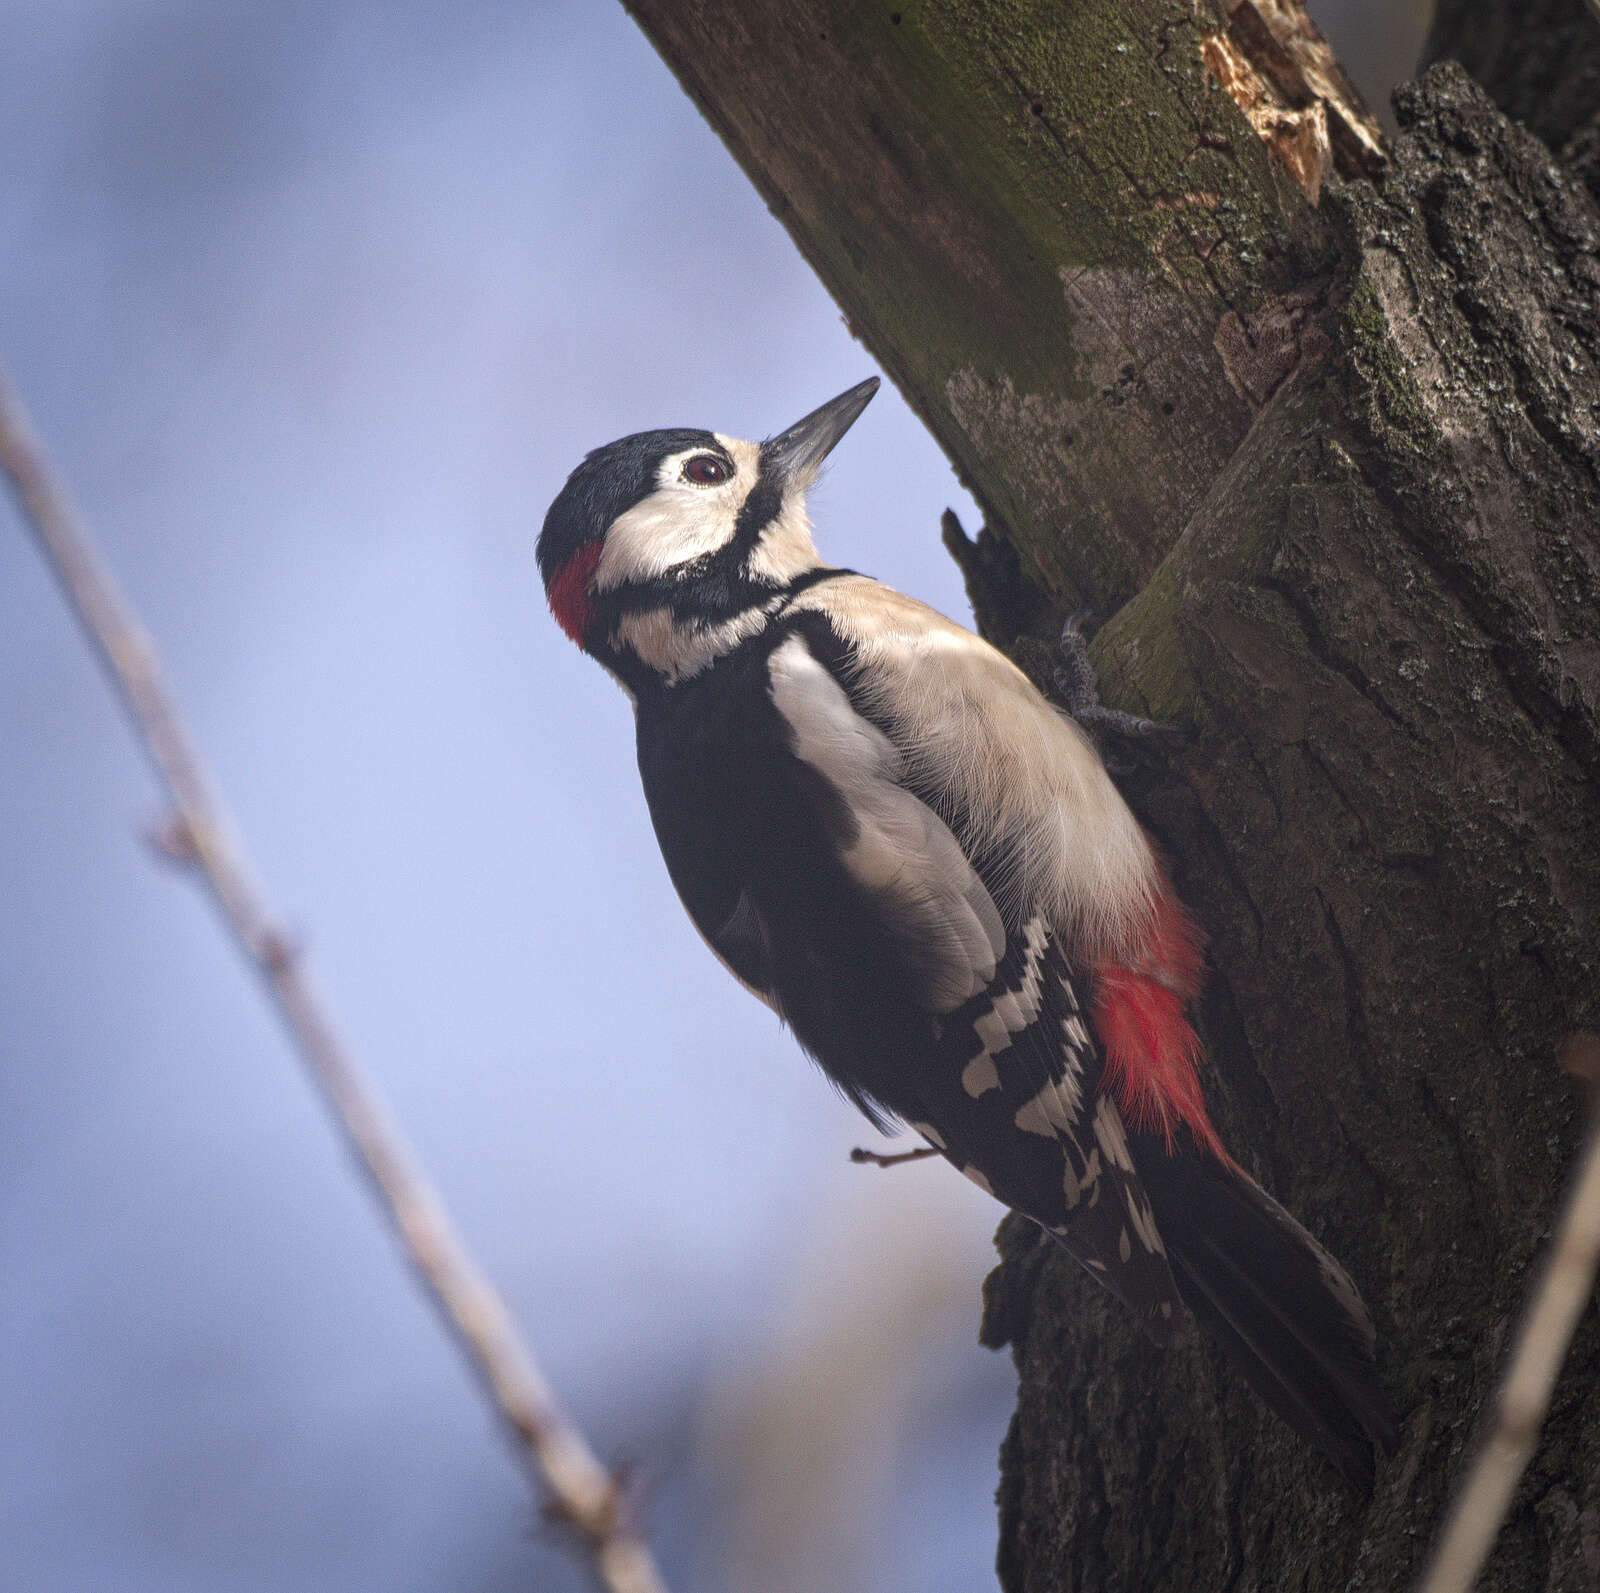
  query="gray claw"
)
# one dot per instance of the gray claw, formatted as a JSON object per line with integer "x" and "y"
{"x": 1080, "y": 691}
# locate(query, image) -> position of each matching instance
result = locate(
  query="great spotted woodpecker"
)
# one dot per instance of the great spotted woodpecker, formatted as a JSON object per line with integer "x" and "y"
{"x": 890, "y": 837}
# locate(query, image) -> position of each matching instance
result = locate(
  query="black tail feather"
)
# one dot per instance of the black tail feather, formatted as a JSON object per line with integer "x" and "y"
{"x": 1282, "y": 1308}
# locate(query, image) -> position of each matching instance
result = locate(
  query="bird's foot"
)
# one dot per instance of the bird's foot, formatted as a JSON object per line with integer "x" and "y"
{"x": 1079, "y": 690}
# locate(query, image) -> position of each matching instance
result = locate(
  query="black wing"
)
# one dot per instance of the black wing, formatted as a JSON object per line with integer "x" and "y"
{"x": 846, "y": 902}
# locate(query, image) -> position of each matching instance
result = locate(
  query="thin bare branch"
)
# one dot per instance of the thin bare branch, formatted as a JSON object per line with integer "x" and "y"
{"x": 581, "y": 1493}
{"x": 1552, "y": 1316}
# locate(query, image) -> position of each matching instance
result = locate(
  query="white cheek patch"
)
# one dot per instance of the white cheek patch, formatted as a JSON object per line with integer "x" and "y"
{"x": 674, "y": 525}
{"x": 680, "y": 521}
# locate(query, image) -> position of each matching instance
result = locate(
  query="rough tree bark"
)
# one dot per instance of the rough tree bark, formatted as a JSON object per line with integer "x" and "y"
{"x": 1321, "y": 433}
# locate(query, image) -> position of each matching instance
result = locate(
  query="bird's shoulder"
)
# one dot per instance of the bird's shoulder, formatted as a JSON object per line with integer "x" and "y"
{"x": 883, "y": 628}
{"x": 1020, "y": 784}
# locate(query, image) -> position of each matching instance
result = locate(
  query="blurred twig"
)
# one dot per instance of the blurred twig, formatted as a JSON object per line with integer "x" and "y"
{"x": 581, "y": 1493}
{"x": 1552, "y": 1316}
{"x": 891, "y": 1158}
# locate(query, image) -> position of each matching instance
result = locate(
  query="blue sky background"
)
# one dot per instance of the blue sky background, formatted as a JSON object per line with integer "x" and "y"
{"x": 316, "y": 305}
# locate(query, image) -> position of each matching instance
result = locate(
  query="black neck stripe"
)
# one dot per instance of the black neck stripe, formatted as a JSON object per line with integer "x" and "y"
{"x": 756, "y": 513}
{"x": 810, "y": 578}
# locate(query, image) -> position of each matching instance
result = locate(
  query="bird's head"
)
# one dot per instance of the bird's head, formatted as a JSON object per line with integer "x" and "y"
{"x": 693, "y": 522}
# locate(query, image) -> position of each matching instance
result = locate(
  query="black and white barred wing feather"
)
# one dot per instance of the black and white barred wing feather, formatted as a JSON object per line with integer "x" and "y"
{"x": 1018, "y": 1103}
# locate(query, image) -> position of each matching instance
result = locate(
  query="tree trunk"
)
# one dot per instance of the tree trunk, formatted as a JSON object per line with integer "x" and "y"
{"x": 1324, "y": 438}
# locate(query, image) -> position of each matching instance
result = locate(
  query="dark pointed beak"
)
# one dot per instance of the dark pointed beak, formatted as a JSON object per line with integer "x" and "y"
{"x": 793, "y": 456}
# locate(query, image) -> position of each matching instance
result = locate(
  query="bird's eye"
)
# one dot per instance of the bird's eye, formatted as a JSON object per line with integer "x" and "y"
{"x": 705, "y": 470}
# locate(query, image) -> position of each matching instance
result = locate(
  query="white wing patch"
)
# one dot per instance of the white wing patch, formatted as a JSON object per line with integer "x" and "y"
{"x": 1073, "y": 1186}
{"x": 1070, "y": 1084}
{"x": 902, "y": 852}
{"x": 1144, "y": 1221}
{"x": 1109, "y": 1134}
{"x": 1112, "y": 1140}
{"x": 1046, "y": 1114}
{"x": 1024, "y": 777}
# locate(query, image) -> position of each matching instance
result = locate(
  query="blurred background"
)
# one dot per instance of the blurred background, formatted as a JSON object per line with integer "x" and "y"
{"x": 317, "y": 304}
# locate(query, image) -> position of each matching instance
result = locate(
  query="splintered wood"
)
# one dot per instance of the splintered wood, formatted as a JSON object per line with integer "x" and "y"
{"x": 1277, "y": 68}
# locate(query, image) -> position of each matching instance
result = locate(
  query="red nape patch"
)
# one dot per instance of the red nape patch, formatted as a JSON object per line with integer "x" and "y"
{"x": 1152, "y": 1054}
{"x": 569, "y": 591}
